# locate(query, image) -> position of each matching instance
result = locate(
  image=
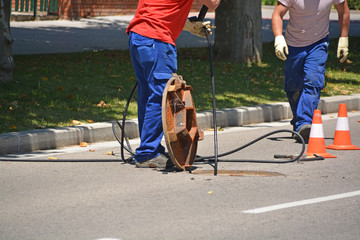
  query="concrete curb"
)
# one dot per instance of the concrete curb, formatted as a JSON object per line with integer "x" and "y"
{"x": 28, "y": 141}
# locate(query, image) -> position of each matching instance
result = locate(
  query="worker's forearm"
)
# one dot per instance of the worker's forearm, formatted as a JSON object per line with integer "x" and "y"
{"x": 344, "y": 23}
{"x": 277, "y": 25}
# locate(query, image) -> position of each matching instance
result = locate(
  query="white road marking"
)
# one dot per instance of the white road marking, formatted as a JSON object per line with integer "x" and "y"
{"x": 303, "y": 202}
{"x": 108, "y": 239}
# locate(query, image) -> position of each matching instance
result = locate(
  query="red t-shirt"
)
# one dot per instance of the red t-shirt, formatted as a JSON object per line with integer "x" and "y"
{"x": 160, "y": 19}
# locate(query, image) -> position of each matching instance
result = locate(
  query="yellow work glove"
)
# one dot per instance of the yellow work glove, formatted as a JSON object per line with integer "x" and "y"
{"x": 281, "y": 47}
{"x": 198, "y": 28}
{"x": 343, "y": 48}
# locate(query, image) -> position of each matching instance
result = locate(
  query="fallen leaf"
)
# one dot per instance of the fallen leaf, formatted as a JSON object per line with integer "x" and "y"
{"x": 329, "y": 75}
{"x": 89, "y": 121}
{"x": 44, "y": 78}
{"x": 13, "y": 127}
{"x": 210, "y": 192}
{"x": 70, "y": 96}
{"x": 211, "y": 129}
{"x": 53, "y": 158}
{"x": 91, "y": 150}
{"x": 76, "y": 122}
{"x": 109, "y": 153}
{"x": 254, "y": 81}
{"x": 102, "y": 104}
{"x": 59, "y": 88}
{"x": 83, "y": 144}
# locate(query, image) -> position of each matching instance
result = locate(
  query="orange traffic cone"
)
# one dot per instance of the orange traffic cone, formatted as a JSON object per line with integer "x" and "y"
{"x": 342, "y": 138}
{"x": 316, "y": 139}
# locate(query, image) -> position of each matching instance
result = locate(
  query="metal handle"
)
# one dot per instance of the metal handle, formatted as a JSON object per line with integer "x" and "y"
{"x": 201, "y": 15}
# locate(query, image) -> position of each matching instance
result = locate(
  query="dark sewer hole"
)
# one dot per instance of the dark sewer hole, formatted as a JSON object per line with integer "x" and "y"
{"x": 239, "y": 173}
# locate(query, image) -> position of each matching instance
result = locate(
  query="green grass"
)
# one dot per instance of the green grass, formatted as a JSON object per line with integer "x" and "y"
{"x": 53, "y": 90}
{"x": 268, "y": 2}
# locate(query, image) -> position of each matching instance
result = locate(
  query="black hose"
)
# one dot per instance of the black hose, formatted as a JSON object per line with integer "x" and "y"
{"x": 293, "y": 159}
{"x": 210, "y": 159}
{"x": 122, "y": 128}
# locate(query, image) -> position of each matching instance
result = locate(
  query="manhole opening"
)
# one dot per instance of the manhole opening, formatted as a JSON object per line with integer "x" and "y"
{"x": 239, "y": 173}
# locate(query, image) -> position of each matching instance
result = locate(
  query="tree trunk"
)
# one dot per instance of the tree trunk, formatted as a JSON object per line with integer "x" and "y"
{"x": 6, "y": 60}
{"x": 238, "y": 31}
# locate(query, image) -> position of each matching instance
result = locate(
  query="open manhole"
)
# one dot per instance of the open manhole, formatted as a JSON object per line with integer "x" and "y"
{"x": 239, "y": 173}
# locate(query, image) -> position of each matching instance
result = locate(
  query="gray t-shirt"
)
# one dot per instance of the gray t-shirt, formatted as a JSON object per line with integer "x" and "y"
{"x": 309, "y": 21}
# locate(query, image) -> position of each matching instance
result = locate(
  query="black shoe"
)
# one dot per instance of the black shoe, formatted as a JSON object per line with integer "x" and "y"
{"x": 304, "y": 132}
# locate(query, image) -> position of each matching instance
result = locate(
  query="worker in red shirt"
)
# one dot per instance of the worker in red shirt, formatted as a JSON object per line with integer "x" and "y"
{"x": 152, "y": 34}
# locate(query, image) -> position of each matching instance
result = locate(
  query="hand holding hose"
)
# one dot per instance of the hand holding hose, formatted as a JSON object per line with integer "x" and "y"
{"x": 198, "y": 28}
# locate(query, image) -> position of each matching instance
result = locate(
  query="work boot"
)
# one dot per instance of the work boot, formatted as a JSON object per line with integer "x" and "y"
{"x": 160, "y": 162}
{"x": 304, "y": 131}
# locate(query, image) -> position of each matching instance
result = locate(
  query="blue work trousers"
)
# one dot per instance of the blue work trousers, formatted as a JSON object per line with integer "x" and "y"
{"x": 154, "y": 62}
{"x": 304, "y": 78}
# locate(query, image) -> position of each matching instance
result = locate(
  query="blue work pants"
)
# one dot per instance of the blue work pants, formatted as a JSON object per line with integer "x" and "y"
{"x": 154, "y": 62}
{"x": 304, "y": 78}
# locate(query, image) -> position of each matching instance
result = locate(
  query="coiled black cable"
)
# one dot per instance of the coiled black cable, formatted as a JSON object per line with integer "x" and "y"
{"x": 210, "y": 159}
{"x": 293, "y": 159}
{"x": 122, "y": 128}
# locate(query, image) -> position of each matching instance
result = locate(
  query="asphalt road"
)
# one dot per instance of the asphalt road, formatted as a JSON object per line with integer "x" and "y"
{"x": 111, "y": 200}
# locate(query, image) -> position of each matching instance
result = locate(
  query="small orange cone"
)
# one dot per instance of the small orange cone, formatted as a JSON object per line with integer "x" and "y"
{"x": 316, "y": 139}
{"x": 342, "y": 138}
